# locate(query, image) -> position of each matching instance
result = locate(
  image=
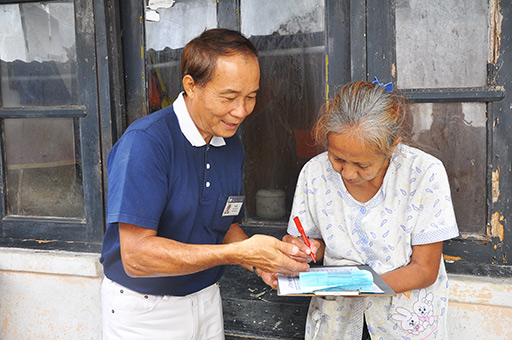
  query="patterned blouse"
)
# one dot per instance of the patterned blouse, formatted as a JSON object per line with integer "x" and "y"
{"x": 412, "y": 207}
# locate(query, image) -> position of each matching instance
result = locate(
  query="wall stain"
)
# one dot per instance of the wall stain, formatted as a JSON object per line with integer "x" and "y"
{"x": 483, "y": 296}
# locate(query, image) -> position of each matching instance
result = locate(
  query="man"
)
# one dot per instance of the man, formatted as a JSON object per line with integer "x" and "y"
{"x": 175, "y": 200}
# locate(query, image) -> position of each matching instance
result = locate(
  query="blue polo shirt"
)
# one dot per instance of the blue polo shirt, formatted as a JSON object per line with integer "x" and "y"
{"x": 162, "y": 176}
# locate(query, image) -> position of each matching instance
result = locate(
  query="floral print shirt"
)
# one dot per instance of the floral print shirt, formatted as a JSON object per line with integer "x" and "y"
{"x": 412, "y": 207}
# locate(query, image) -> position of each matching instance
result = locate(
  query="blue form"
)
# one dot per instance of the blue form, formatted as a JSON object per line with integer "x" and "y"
{"x": 361, "y": 280}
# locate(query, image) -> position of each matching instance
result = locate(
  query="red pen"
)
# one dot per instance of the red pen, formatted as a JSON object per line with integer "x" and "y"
{"x": 304, "y": 237}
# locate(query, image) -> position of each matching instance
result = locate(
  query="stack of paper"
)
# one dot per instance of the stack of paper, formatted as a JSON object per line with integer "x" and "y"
{"x": 356, "y": 280}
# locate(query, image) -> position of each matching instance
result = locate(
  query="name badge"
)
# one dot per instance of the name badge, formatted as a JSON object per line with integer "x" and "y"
{"x": 233, "y": 205}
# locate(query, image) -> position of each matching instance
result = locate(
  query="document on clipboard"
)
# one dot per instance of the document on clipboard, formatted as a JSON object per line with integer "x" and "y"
{"x": 358, "y": 280}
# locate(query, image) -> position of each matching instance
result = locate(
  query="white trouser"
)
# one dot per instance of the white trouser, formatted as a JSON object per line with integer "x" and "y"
{"x": 128, "y": 315}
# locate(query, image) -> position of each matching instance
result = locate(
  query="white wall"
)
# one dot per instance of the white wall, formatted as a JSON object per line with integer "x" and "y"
{"x": 56, "y": 295}
{"x": 49, "y": 295}
{"x": 480, "y": 308}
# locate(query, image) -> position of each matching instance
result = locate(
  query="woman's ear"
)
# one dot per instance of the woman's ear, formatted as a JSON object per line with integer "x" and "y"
{"x": 393, "y": 146}
{"x": 396, "y": 141}
{"x": 189, "y": 85}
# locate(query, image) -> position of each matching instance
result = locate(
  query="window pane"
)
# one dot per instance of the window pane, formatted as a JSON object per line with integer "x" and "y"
{"x": 289, "y": 36}
{"x": 442, "y": 43}
{"x": 456, "y": 134}
{"x": 186, "y": 20}
{"x": 38, "y": 55}
{"x": 44, "y": 173}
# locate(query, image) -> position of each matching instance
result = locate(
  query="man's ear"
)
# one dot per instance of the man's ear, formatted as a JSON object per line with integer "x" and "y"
{"x": 189, "y": 85}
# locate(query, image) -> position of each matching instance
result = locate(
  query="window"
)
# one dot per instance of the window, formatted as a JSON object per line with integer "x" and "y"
{"x": 290, "y": 40}
{"x": 448, "y": 63}
{"x": 163, "y": 50}
{"x": 50, "y": 174}
{"x": 443, "y": 56}
{"x": 455, "y": 132}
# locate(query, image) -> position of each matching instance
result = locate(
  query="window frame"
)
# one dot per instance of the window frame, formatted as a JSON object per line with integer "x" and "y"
{"x": 94, "y": 70}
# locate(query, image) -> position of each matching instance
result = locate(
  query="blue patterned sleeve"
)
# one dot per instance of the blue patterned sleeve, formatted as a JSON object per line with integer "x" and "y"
{"x": 434, "y": 218}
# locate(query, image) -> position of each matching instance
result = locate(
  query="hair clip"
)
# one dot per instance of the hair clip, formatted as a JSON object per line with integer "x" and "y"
{"x": 387, "y": 87}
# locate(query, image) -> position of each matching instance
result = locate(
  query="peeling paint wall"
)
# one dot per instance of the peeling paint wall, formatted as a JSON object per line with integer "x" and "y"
{"x": 496, "y": 229}
{"x": 41, "y": 306}
{"x": 480, "y": 308}
{"x": 495, "y": 31}
{"x": 49, "y": 296}
{"x": 496, "y": 185}
{"x": 55, "y": 295}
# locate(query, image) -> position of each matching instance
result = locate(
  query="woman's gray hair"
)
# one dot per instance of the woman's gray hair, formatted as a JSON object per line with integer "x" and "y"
{"x": 366, "y": 111}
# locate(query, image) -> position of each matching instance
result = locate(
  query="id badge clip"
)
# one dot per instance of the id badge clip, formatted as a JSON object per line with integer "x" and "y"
{"x": 233, "y": 206}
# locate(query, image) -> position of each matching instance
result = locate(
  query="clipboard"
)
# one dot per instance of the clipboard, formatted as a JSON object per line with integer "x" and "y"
{"x": 288, "y": 285}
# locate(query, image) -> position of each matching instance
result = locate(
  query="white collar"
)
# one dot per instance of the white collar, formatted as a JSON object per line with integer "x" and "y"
{"x": 188, "y": 128}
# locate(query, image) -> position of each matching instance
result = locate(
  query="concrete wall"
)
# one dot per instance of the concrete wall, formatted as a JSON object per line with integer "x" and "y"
{"x": 480, "y": 308}
{"x": 49, "y": 295}
{"x": 55, "y": 295}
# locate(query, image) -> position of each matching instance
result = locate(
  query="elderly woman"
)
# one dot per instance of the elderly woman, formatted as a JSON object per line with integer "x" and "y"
{"x": 370, "y": 199}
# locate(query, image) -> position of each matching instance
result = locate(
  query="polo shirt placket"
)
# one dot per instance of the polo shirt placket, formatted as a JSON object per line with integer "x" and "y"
{"x": 207, "y": 176}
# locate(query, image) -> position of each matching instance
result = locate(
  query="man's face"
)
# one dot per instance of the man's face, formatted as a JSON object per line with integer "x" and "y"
{"x": 219, "y": 107}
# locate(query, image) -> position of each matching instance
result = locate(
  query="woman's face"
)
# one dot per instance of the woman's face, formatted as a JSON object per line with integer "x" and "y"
{"x": 355, "y": 162}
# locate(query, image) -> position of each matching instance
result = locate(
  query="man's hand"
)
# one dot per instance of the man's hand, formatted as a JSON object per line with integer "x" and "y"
{"x": 270, "y": 255}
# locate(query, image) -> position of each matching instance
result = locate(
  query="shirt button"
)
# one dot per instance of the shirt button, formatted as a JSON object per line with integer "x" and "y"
{"x": 207, "y": 166}
{"x": 207, "y": 184}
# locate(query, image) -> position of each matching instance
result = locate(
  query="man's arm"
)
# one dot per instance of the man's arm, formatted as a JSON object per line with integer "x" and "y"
{"x": 236, "y": 234}
{"x": 144, "y": 254}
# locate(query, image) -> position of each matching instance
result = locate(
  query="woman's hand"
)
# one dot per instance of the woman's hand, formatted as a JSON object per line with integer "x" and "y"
{"x": 267, "y": 277}
{"x": 317, "y": 247}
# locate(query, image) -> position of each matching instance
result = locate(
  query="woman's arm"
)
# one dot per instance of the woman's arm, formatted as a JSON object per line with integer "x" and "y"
{"x": 421, "y": 272}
